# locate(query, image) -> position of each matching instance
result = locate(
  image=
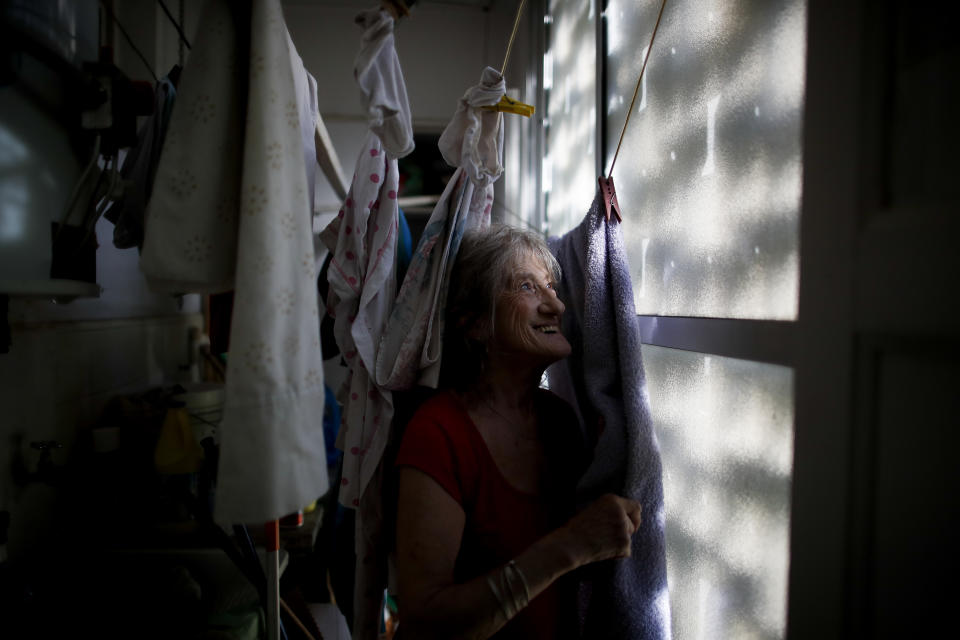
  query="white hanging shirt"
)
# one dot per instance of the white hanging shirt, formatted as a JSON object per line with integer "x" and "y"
{"x": 230, "y": 210}
{"x": 363, "y": 241}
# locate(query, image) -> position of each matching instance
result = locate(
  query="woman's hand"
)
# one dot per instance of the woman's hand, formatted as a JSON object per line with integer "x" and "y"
{"x": 430, "y": 526}
{"x": 602, "y": 530}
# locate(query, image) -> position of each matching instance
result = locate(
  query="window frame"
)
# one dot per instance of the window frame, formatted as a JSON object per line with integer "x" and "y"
{"x": 761, "y": 341}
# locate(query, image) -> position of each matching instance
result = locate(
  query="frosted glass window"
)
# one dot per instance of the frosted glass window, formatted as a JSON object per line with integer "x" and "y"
{"x": 725, "y": 428}
{"x": 569, "y": 168}
{"x": 709, "y": 176}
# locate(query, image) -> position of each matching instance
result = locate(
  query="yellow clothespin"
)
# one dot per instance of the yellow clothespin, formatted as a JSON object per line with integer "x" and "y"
{"x": 509, "y": 105}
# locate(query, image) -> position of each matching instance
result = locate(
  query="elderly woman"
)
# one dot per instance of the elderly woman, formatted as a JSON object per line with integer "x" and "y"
{"x": 486, "y": 529}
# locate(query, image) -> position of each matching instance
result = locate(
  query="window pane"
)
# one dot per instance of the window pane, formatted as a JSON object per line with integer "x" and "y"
{"x": 709, "y": 174}
{"x": 569, "y": 168}
{"x": 725, "y": 428}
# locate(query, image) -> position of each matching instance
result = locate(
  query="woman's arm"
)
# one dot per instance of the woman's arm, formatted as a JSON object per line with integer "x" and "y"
{"x": 429, "y": 531}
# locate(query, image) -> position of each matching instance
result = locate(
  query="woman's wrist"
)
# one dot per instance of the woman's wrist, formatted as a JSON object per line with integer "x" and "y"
{"x": 564, "y": 548}
{"x": 509, "y": 586}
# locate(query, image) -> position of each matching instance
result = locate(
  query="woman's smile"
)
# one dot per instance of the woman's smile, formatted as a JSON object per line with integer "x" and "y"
{"x": 528, "y": 316}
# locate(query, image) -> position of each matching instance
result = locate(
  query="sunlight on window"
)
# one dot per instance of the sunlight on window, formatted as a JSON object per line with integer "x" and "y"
{"x": 708, "y": 165}
{"x": 709, "y": 178}
{"x": 571, "y": 105}
{"x": 726, "y": 438}
{"x": 644, "y": 243}
{"x": 547, "y": 71}
{"x": 711, "y": 166}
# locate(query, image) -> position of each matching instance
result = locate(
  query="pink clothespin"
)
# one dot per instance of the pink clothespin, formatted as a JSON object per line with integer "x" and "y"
{"x": 609, "y": 193}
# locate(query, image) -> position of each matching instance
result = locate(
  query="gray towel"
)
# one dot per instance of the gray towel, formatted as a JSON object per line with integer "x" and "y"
{"x": 604, "y": 381}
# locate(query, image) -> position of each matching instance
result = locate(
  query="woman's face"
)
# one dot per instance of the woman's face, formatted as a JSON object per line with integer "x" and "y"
{"x": 527, "y": 321}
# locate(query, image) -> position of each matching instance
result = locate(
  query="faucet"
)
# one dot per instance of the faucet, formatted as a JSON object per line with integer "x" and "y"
{"x": 47, "y": 471}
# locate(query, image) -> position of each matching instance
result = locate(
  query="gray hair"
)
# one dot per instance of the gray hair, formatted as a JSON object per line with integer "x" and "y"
{"x": 483, "y": 269}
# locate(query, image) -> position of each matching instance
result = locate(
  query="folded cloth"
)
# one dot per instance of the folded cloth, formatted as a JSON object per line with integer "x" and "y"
{"x": 230, "y": 210}
{"x": 603, "y": 379}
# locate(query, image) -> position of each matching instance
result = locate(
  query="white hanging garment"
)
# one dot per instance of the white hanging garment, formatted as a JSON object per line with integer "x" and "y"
{"x": 472, "y": 141}
{"x": 362, "y": 276}
{"x": 363, "y": 241}
{"x": 411, "y": 348}
{"x": 231, "y": 210}
{"x": 190, "y": 234}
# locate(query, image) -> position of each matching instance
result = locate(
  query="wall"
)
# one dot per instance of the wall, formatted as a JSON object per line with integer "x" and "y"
{"x": 67, "y": 360}
{"x": 54, "y": 384}
{"x": 443, "y": 48}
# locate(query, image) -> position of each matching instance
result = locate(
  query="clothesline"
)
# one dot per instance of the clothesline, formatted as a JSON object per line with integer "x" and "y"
{"x": 403, "y": 202}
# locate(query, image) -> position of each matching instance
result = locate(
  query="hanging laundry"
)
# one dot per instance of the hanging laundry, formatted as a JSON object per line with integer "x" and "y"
{"x": 404, "y": 246}
{"x": 190, "y": 237}
{"x": 231, "y": 210}
{"x": 363, "y": 241}
{"x": 472, "y": 141}
{"x": 305, "y": 90}
{"x": 140, "y": 168}
{"x": 603, "y": 379}
{"x": 411, "y": 348}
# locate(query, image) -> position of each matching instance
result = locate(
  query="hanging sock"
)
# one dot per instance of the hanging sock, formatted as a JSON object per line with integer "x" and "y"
{"x": 411, "y": 348}
{"x": 384, "y": 93}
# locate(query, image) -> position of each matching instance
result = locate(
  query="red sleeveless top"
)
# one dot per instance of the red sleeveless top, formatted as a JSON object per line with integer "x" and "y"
{"x": 501, "y": 521}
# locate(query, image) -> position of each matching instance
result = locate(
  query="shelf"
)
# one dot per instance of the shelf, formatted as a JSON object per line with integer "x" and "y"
{"x": 50, "y": 287}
